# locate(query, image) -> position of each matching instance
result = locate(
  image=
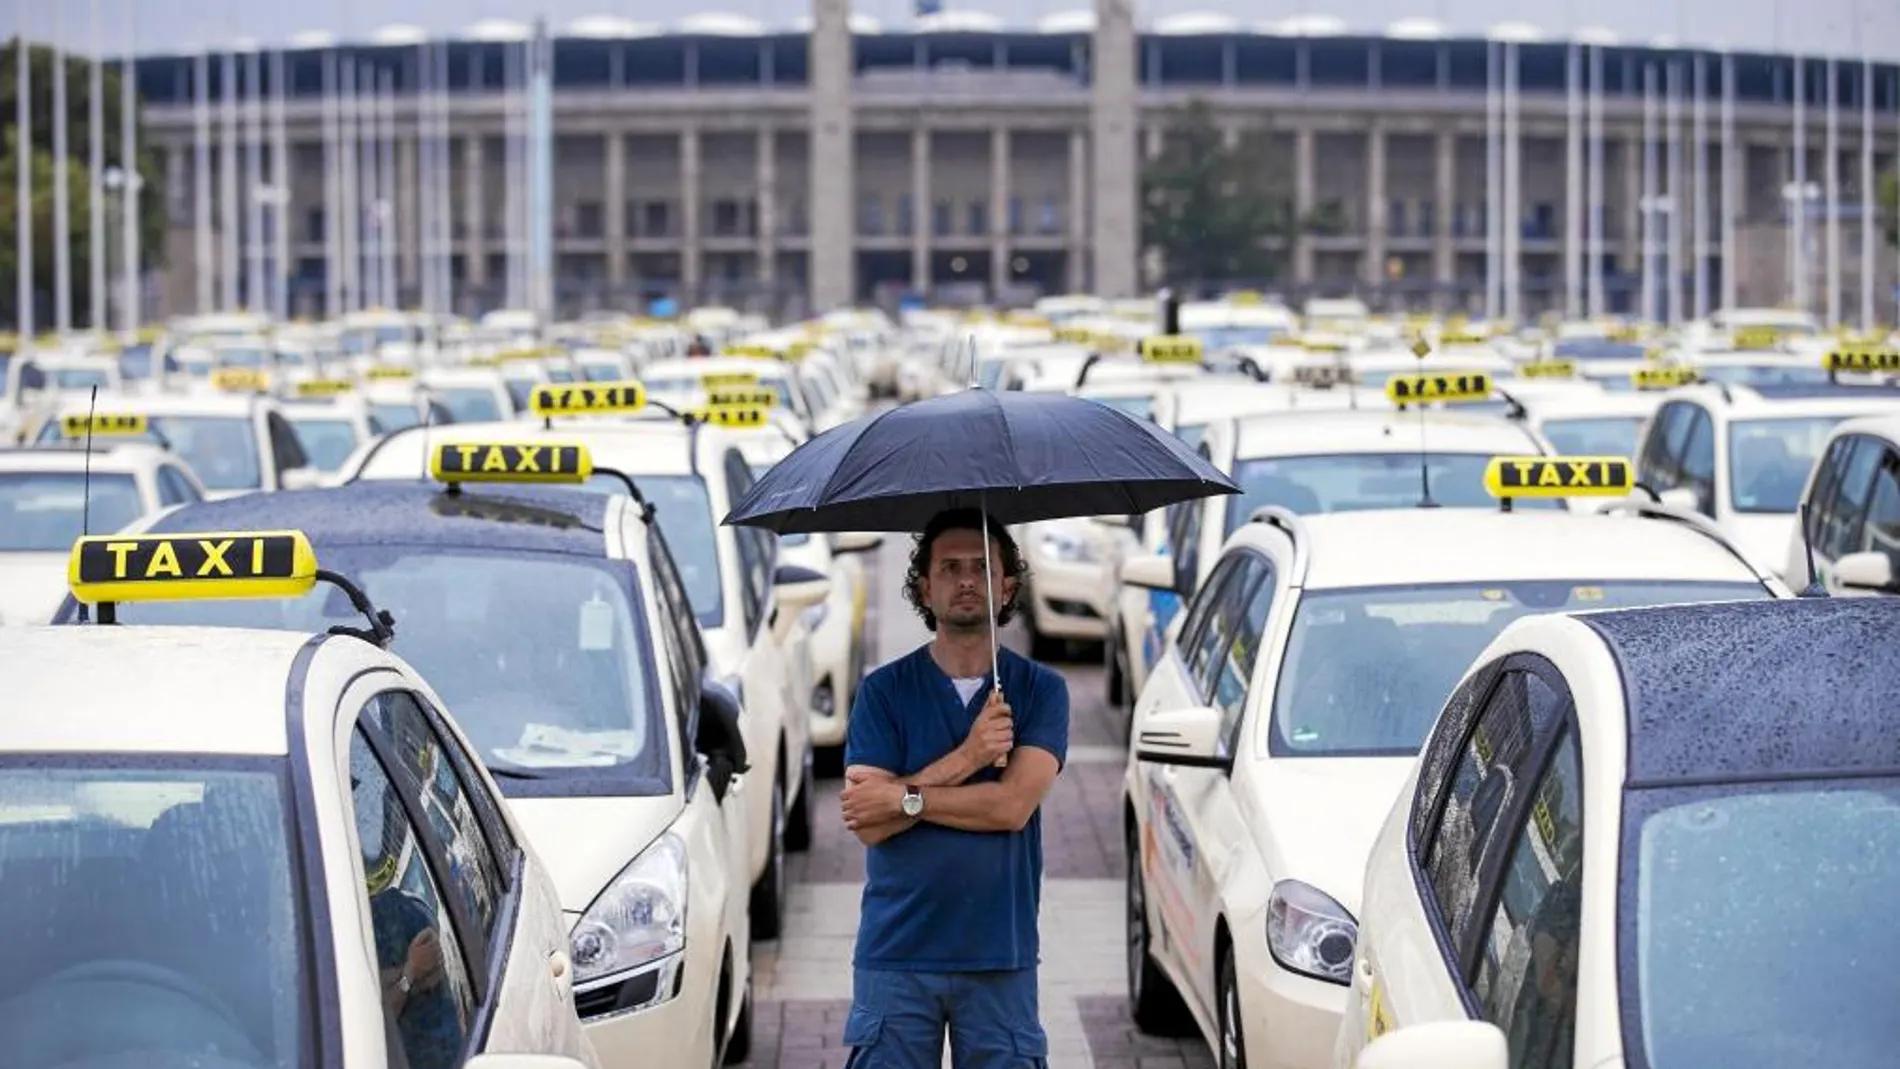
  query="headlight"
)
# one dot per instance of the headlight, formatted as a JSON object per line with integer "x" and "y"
{"x": 1309, "y": 933}
{"x": 639, "y": 919}
{"x": 815, "y": 615}
{"x": 1065, "y": 548}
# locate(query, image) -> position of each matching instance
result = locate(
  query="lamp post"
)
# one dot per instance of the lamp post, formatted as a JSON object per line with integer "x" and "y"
{"x": 122, "y": 189}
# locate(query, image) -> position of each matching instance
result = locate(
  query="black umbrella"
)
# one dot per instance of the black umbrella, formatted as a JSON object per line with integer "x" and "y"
{"x": 1016, "y": 456}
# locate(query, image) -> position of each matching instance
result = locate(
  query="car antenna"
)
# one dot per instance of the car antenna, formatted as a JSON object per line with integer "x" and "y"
{"x": 1424, "y": 469}
{"x": 428, "y": 414}
{"x": 85, "y": 485}
{"x": 1815, "y": 588}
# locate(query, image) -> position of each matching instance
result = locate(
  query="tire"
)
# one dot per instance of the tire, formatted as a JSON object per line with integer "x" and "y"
{"x": 1116, "y": 680}
{"x": 739, "y": 1044}
{"x": 768, "y": 894}
{"x": 1230, "y": 1050}
{"x": 1153, "y": 1001}
{"x": 798, "y": 827}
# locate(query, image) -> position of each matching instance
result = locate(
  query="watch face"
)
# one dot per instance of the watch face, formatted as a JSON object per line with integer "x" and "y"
{"x": 913, "y": 804}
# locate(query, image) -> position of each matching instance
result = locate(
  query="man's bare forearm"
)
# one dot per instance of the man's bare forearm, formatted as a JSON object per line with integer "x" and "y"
{"x": 880, "y": 830}
{"x": 977, "y": 807}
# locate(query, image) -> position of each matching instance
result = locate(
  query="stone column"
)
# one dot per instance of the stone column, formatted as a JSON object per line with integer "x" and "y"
{"x": 1444, "y": 250}
{"x": 999, "y": 212}
{"x": 614, "y": 214}
{"x": 834, "y": 158}
{"x": 1116, "y": 205}
{"x": 1077, "y": 215}
{"x": 474, "y": 212}
{"x": 689, "y": 213}
{"x": 767, "y": 162}
{"x": 1304, "y": 182}
{"x": 922, "y": 215}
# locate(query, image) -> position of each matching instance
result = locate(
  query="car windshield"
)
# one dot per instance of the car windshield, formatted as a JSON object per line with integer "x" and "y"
{"x": 1191, "y": 433}
{"x": 328, "y": 442}
{"x": 1765, "y": 374}
{"x": 469, "y": 404}
{"x": 683, "y": 508}
{"x": 164, "y": 890}
{"x": 1718, "y": 881}
{"x": 600, "y": 372}
{"x": 1596, "y": 436}
{"x": 392, "y": 417}
{"x": 1139, "y": 407}
{"x": 1769, "y": 460}
{"x": 80, "y": 378}
{"x": 1228, "y": 337}
{"x": 541, "y": 657}
{"x": 519, "y": 390}
{"x": 40, "y": 511}
{"x": 251, "y": 358}
{"x": 689, "y": 389}
{"x": 135, "y": 363}
{"x": 1353, "y": 482}
{"x": 1367, "y": 670}
{"x": 221, "y": 449}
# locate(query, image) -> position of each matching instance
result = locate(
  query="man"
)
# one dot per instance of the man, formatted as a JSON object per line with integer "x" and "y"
{"x": 947, "y": 936}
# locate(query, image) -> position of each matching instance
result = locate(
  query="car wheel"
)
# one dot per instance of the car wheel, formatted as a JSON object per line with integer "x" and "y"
{"x": 739, "y": 1044}
{"x": 768, "y": 894}
{"x": 1117, "y": 680}
{"x": 1153, "y": 1001}
{"x": 799, "y": 827}
{"x": 1232, "y": 1050}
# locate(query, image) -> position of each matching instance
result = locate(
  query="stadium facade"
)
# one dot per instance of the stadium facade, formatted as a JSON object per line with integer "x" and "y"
{"x": 960, "y": 159}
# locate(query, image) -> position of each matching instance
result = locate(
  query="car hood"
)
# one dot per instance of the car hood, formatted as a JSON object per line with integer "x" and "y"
{"x": 1326, "y": 813}
{"x": 32, "y": 585}
{"x": 585, "y": 842}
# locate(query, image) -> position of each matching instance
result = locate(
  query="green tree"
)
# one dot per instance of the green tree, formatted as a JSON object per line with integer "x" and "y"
{"x": 151, "y": 199}
{"x": 1215, "y": 213}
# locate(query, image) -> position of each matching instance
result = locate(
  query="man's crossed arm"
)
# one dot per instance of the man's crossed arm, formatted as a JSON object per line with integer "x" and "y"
{"x": 873, "y": 796}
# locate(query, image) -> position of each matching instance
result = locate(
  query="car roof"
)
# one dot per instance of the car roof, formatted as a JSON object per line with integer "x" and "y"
{"x": 1883, "y": 426}
{"x": 130, "y": 689}
{"x": 1356, "y": 549}
{"x": 386, "y": 512}
{"x": 700, "y": 366}
{"x": 1384, "y": 430}
{"x": 1585, "y": 406}
{"x": 1821, "y": 399}
{"x": 108, "y": 457}
{"x": 650, "y": 445}
{"x": 172, "y": 404}
{"x": 1761, "y": 691}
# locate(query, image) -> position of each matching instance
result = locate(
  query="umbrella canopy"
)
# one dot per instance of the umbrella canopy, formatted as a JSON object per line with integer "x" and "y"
{"x": 1018, "y": 456}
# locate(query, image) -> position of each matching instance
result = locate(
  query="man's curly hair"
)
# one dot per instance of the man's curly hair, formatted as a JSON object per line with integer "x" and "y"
{"x": 1010, "y": 563}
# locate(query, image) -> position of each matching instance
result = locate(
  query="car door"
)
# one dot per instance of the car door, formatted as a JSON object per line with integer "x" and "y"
{"x": 767, "y": 671}
{"x": 1423, "y": 934}
{"x": 502, "y": 908}
{"x": 1223, "y": 660}
{"x": 1170, "y": 850}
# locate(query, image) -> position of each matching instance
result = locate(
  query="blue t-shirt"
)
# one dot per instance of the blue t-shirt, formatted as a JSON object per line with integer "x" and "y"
{"x": 937, "y": 899}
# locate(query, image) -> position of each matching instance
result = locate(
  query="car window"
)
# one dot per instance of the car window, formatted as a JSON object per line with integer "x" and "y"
{"x": 416, "y": 943}
{"x": 1852, "y": 482}
{"x": 1206, "y": 602}
{"x": 285, "y": 443}
{"x": 1352, "y": 482}
{"x": 1208, "y": 656}
{"x": 1657, "y": 464}
{"x": 181, "y": 487}
{"x": 1493, "y": 760}
{"x": 1769, "y": 460}
{"x": 475, "y": 872}
{"x": 1825, "y": 490}
{"x": 1184, "y": 541}
{"x": 43, "y": 511}
{"x": 1236, "y": 670}
{"x": 1698, "y": 462}
{"x": 1526, "y": 979}
{"x": 329, "y": 442}
{"x": 1595, "y": 436}
{"x": 1441, "y": 750}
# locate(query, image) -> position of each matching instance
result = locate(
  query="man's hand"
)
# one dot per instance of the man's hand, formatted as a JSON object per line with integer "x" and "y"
{"x": 424, "y": 964}
{"x": 870, "y": 800}
{"x": 994, "y": 733}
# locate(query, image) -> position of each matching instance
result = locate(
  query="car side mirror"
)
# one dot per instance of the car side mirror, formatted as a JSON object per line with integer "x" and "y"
{"x": 1867, "y": 570}
{"x": 799, "y": 587}
{"x": 856, "y": 542}
{"x": 1119, "y": 523}
{"x": 1188, "y": 737}
{"x": 1680, "y": 497}
{"x": 1437, "y": 1045}
{"x": 1152, "y": 572}
{"x": 720, "y": 738}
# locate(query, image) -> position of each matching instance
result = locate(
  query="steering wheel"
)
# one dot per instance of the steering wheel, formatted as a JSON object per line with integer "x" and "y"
{"x": 125, "y": 970}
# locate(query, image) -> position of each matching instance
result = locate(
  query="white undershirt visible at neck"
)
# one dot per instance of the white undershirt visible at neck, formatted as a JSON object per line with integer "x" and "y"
{"x": 968, "y": 686}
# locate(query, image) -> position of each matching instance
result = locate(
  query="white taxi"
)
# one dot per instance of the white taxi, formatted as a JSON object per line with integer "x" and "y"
{"x": 236, "y": 443}
{"x": 1851, "y": 507}
{"x": 332, "y": 420}
{"x": 746, "y": 600}
{"x": 1615, "y": 824}
{"x": 288, "y": 858}
{"x": 1274, "y": 732}
{"x": 49, "y": 497}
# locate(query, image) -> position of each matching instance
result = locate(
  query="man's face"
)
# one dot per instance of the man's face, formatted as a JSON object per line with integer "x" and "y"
{"x": 953, "y": 585}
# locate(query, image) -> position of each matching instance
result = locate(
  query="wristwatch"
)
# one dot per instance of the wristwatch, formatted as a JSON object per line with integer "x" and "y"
{"x": 913, "y": 804}
{"x": 403, "y": 983}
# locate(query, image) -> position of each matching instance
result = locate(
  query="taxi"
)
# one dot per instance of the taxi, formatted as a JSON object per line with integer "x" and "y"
{"x": 289, "y": 855}
{"x": 236, "y": 442}
{"x": 554, "y": 622}
{"x": 746, "y": 599}
{"x": 471, "y": 394}
{"x": 48, "y": 498}
{"x": 1851, "y": 509}
{"x": 332, "y": 420}
{"x": 1305, "y": 672}
{"x": 684, "y": 383}
{"x": 1742, "y": 455}
{"x": 1615, "y": 823}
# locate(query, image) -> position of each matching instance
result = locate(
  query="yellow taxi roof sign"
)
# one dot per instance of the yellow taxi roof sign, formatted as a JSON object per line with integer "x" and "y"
{"x": 1171, "y": 349}
{"x": 324, "y": 387}
{"x": 240, "y": 379}
{"x": 1663, "y": 377}
{"x": 1074, "y": 335}
{"x": 733, "y": 415}
{"x": 191, "y": 567}
{"x": 1748, "y": 339}
{"x": 718, "y": 380}
{"x": 511, "y": 462}
{"x": 755, "y": 352}
{"x": 594, "y": 398}
{"x": 742, "y": 397}
{"x": 1439, "y": 386}
{"x": 1862, "y": 358}
{"x": 1549, "y": 369}
{"x": 103, "y": 424}
{"x": 1559, "y": 477}
{"x": 390, "y": 371}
